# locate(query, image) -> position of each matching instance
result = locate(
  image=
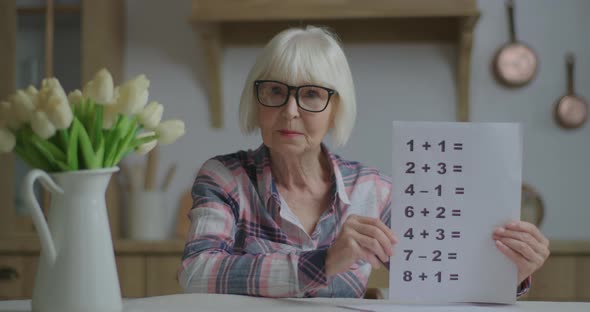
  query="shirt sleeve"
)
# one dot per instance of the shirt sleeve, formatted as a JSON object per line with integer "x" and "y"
{"x": 524, "y": 287}
{"x": 209, "y": 264}
{"x": 385, "y": 188}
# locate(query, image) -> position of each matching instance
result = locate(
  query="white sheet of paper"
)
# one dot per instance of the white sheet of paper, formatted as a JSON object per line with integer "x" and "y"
{"x": 432, "y": 308}
{"x": 484, "y": 159}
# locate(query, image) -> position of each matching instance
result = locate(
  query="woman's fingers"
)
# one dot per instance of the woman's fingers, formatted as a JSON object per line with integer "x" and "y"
{"x": 376, "y": 222}
{"x": 370, "y": 257}
{"x": 522, "y": 236}
{"x": 523, "y": 249}
{"x": 378, "y": 234}
{"x": 371, "y": 244}
{"x": 530, "y": 228}
{"x": 517, "y": 258}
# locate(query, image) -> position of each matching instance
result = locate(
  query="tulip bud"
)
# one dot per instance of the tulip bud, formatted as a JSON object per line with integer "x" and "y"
{"x": 49, "y": 87}
{"x": 22, "y": 106}
{"x": 169, "y": 131}
{"x": 133, "y": 95}
{"x": 100, "y": 89}
{"x": 31, "y": 91}
{"x": 41, "y": 125}
{"x": 148, "y": 146}
{"x": 75, "y": 97}
{"x": 151, "y": 115}
{"x": 7, "y": 141}
{"x": 59, "y": 112}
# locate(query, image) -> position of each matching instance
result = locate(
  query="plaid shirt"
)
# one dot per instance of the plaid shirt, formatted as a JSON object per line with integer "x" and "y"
{"x": 244, "y": 239}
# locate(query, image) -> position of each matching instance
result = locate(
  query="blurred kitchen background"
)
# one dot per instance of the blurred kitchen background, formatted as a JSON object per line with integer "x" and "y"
{"x": 413, "y": 80}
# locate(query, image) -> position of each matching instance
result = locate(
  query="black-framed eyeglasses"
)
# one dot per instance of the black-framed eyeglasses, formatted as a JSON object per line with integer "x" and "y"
{"x": 310, "y": 98}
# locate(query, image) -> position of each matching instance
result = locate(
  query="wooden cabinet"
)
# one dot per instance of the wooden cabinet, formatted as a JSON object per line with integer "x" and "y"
{"x": 161, "y": 277}
{"x": 150, "y": 269}
{"x": 144, "y": 268}
{"x": 16, "y": 276}
{"x": 564, "y": 277}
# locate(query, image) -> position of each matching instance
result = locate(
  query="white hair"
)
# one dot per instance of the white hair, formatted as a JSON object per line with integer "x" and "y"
{"x": 310, "y": 55}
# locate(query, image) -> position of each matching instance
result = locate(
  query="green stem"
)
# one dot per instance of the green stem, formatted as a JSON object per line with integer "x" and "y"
{"x": 141, "y": 141}
{"x": 98, "y": 126}
{"x": 64, "y": 137}
{"x": 86, "y": 147}
{"x": 121, "y": 150}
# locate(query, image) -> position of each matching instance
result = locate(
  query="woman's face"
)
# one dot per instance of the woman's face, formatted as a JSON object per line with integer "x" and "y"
{"x": 288, "y": 129}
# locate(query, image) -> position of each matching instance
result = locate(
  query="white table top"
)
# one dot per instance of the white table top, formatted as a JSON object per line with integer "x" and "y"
{"x": 214, "y": 302}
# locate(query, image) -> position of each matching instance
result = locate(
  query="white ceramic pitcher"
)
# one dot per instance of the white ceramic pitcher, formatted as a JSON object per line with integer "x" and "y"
{"x": 77, "y": 270}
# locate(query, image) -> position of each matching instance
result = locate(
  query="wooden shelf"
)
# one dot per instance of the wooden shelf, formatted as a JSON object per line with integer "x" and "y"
{"x": 59, "y": 9}
{"x": 245, "y": 22}
{"x": 121, "y": 246}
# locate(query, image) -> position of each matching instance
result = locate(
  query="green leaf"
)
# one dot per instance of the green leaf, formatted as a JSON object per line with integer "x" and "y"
{"x": 112, "y": 133}
{"x": 72, "y": 151}
{"x": 86, "y": 147}
{"x": 54, "y": 151}
{"x": 100, "y": 153}
{"x": 98, "y": 126}
{"x": 27, "y": 158}
{"x": 110, "y": 157}
{"x": 112, "y": 144}
{"x": 121, "y": 150}
{"x": 46, "y": 152}
{"x": 64, "y": 138}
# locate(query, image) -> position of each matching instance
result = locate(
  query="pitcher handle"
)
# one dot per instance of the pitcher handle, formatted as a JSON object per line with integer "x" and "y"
{"x": 45, "y": 237}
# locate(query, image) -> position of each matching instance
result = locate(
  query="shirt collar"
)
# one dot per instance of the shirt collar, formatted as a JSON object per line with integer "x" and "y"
{"x": 267, "y": 187}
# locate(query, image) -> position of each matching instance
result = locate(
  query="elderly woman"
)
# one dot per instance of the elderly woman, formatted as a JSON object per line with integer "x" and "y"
{"x": 292, "y": 219}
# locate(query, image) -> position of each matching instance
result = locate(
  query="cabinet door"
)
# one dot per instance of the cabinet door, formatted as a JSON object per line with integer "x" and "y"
{"x": 583, "y": 278}
{"x": 555, "y": 281}
{"x": 379, "y": 278}
{"x": 17, "y": 276}
{"x": 162, "y": 275}
{"x": 132, "y": 276}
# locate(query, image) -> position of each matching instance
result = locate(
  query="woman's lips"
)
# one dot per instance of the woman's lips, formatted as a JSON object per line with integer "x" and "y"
{"x": 289, "y": 133}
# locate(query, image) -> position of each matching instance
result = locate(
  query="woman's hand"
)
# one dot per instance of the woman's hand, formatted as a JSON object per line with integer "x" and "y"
{"x": 524, "y": 244}
{"x": 361, "y": 238}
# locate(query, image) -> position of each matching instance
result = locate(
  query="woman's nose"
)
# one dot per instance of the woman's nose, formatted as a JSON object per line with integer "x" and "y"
{"x": 291, "y": 109}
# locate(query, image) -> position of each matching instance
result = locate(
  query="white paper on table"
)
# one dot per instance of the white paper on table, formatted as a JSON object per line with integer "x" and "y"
{"x": 432, "y": 308}
{"x": 491, "y": 159}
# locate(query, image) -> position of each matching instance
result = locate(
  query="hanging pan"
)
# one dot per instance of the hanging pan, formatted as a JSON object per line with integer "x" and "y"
{"x": 515, "y": 63}
{"x": 571, "y": 110}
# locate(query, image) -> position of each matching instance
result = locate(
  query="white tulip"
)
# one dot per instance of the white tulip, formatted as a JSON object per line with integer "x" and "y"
{"x": 59, "y": 112}
{"x": 169, "y": 131}
{"x": 7, "y": 141}
{"x": 41, "y": 125}
{"x": 32, "y": 92}
{"x": 22, "y": 106}
{"x": 100, "y": 89}
{"x": 49, "y": 87}
{"x": 151, "y": 115}
{"x": 133, "y": 95}
{"x": 75, "y": 97}
{"x": 148, "y": 146}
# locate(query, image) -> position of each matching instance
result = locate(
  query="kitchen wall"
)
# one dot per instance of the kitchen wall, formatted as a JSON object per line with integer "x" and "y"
{"x": 395, "y": 81}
